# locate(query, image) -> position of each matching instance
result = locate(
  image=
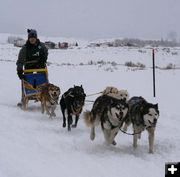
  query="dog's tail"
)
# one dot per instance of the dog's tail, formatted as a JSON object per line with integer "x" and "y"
{"x": 89, "y": 119}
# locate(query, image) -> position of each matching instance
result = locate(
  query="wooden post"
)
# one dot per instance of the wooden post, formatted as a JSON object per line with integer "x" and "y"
{"x": 154, "y": 84}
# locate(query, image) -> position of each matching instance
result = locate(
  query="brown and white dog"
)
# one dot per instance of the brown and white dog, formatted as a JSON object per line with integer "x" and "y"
{"x": 49, "y": 99}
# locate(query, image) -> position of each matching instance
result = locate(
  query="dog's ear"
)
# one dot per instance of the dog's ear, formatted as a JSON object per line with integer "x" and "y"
{"x": 143, "y": 109}
{"x": 81, "y": 85}
{"x": 156, "y": 106}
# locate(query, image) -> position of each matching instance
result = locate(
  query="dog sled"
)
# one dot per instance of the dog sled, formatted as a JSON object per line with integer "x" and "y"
{"x": 33, "y": 81}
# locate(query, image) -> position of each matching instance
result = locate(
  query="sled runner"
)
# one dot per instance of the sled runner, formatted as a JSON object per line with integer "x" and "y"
{"x": 33, "y": 81}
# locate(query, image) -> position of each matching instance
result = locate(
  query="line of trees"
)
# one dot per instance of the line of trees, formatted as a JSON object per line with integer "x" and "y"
{"x": 143, "y": 43}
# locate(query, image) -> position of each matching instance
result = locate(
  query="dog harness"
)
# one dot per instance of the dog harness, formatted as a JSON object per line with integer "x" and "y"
{"x": 53, "y": 101}
{"x": 110, "y": 123}
{"x": 74, "y": 111}
{"x": 113, "y": 126}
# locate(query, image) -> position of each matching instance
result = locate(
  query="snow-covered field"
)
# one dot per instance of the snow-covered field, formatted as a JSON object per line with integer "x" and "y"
{"x": 32, "y": 145}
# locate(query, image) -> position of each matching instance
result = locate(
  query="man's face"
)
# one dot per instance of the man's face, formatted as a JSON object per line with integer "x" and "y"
{"x": 32, "y": 40}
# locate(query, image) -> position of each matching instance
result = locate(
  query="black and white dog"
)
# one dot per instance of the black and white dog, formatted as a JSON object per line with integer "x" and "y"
{"x": 143, "y": 116}
{"x": 110, "y": 113}
{"x": 72, "y": 101}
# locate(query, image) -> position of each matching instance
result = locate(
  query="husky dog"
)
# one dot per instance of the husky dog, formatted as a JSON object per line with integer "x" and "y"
{"x": 72, "y": 101}
{"x": 143, "y": 116}
{"x": 111, "y": 113}
{"x": 118, "y": 94}
{"x": 49, "y": 99}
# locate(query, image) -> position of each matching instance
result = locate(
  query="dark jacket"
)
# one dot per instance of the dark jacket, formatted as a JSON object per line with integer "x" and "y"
{"x": 32, "y": 56}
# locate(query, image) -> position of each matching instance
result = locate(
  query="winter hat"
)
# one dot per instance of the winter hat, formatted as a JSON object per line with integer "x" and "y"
{"x": 32, "y": 33}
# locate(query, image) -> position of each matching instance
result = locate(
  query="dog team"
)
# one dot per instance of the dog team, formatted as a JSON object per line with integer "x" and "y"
{"x": 112, "y": 110}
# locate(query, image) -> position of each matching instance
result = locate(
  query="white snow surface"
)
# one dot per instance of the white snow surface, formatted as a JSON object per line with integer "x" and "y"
{"x": 32, "y": 145}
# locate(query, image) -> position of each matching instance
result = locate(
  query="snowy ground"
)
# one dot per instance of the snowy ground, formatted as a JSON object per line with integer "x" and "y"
{"x": 32, "y": 145}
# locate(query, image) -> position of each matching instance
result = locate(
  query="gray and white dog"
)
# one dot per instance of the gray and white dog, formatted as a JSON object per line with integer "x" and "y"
{"x": 110, "y": 113}
{"x": 143, "y": 116}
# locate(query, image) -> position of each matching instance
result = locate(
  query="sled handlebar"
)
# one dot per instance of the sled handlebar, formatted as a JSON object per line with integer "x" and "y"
{"x": 35, "y": 70}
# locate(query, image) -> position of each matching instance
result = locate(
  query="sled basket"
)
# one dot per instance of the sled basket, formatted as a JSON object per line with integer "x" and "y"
{"x": 33, "y": 80}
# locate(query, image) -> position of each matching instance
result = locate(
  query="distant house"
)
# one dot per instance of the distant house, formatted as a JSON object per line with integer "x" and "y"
{"x": 50, "y": 45}
{"x": 63, "y": 45}
{"x": 94, "y": 45}
{"x": 19, "y": 42}
{"x": 14, "y": 39}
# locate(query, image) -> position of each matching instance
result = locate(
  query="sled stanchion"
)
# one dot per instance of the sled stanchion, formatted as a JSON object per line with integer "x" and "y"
{"x": 153, "y": 62}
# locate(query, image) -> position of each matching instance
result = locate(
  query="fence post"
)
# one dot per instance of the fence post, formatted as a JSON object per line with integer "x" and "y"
{"x": 153, "y": 62}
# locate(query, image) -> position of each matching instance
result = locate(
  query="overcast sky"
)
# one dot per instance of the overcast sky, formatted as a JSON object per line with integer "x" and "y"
{"x": 92, "y": 19}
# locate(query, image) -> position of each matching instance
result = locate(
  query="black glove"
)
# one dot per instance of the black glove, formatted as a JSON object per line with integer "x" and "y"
{"x": 42, "y": 65}
{"x": 20, "y": 74}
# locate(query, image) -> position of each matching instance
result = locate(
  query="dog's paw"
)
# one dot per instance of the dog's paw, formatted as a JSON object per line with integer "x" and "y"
{"x": 53, "y": 114}
{"x": 48, "y": 113}
{"x": 64, "y": 124}
{"x": 74, "y": 126}
{"x": 151, "y": 151}
{"x": 70, "y": 121}
{"x": 134, "y": 145}
{"x": 92, "y": 136}
{"x": 114, "y": 142}
{"x": 50, "y": 117}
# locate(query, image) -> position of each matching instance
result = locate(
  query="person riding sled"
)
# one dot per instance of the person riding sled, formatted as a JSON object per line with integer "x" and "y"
{"x": 33, "y": 55}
